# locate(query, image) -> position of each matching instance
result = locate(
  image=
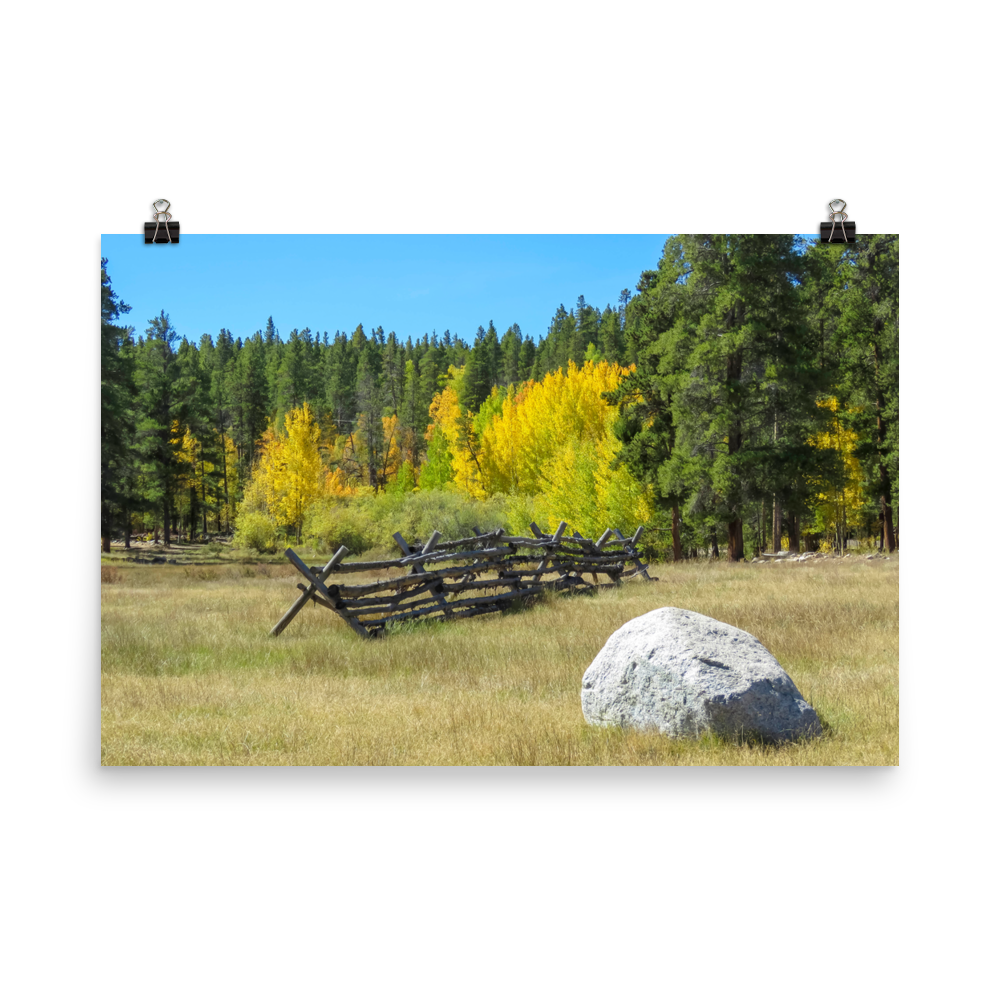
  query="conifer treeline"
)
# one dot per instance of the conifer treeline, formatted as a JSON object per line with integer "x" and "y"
{"x": 163, "y": 395}
{"x": 759, "y": 400}
{"x": 766, "y": 389}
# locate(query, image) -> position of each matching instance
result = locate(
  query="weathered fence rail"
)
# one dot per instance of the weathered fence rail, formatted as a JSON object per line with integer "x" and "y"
{"x": 512, "y": 567}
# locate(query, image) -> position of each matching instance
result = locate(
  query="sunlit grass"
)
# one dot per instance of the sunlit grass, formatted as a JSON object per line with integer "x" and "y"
{"x": 190, "y": 675}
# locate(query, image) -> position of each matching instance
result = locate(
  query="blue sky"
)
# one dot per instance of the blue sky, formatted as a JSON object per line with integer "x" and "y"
{"x": 410, "y": 284}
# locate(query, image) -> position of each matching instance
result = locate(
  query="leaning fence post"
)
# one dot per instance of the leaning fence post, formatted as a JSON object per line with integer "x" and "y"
{"x": 549, "y": 547}
{"x": 419, "y": 566}
{"x": 320, "y": 587}
{"x": 630, "y": 551}
{"x": 304, "y": 599}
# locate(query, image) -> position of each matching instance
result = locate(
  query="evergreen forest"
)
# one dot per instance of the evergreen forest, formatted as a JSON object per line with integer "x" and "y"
{"x": 744, "y": 397}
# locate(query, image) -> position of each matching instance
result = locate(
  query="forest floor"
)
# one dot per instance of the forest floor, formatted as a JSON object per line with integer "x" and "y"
{"x": 185, "y": 554}
{"x": 190, "y": 675}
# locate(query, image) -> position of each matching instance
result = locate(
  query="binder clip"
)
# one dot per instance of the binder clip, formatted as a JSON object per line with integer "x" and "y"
{"x": 162, "y": 230}
{"x": 828, "y": 230}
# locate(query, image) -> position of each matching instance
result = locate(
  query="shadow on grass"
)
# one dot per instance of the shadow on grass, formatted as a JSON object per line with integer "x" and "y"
{"x": 516, "y": 606}
{"x": 709, "y": 740}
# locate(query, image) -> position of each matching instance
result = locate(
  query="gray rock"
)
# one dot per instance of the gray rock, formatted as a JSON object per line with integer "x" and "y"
{"x": 683, "y": 673}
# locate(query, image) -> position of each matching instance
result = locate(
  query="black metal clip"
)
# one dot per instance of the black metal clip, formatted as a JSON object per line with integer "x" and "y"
{"x": 828, "y": 229}
{"x": 169, "y": 227}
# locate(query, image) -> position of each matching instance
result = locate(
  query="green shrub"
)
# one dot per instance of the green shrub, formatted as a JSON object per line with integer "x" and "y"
{"x": 329, "y": 524}
{"x": 368, "y": 522}
{"x": 256, "y": 531}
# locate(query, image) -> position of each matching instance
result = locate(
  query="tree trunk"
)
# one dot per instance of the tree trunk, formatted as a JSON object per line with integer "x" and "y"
{"x": 885, "y": 486}
{"x": 166, "y": 521}
{"x": 736, "y": 540}
{"x": 128, "y": 529}
{"x": 889, "y": 535}
{"x": 714, "y": 539}
{"x": 204, "y": 505}
{"x": 765, "y": 520}
{"x": 776, "y": 521}
{"x": 225, "y": 489}
{"x": 105, "y": 528}
{"x": 793, "y": 533}
{"x": 676, "y": 532}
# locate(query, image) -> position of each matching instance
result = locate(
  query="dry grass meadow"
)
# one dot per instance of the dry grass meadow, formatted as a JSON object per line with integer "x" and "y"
{"x": 190, "y": 675}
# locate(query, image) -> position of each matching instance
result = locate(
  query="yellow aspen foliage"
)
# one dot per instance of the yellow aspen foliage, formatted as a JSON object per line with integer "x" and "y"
{"x": 551, "y": 440}
{"x": 622, "y": 500}
{"x": 457, "y": 427}
{"x": 337, "y": 484}
{"x": 188, "y": 456}
{"x": 343, "y": 478}
{"x": 581, "y": 486}
{"x": 504, "y": 442}
{"x": 536, "y": 425}
{"x": 392, "y": 435}
{"x": 299, "y": 475}
{"x": 260, "y": 493}
{"x": 567, "y": 489}
{"x": 841, "y": 505}
{"x": 231, "y": 459}
{"x": 289, "y": 474}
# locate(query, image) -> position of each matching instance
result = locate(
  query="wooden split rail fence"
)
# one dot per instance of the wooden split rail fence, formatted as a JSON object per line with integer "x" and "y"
{"x": 436, "y": 576}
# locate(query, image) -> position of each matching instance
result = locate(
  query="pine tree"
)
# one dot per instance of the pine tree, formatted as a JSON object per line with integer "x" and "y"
{"x": 431, "y": 369}
{"x": 117, "y": 417}
{"x": 341, "y": 389}
{"x": 491, "y": 344}
{"x": 510, "y": 356}
{"x": 291, "y": 378}
{"x": 609, "y": 336}
{"x": 526, "y": 360}
{"x": 246, "y": 385}
{"x": 371, "y": 400}
{"x": 557, "y": 341}
{"x": 726, "y": 374}
{"x": 358, "y": 339}
{"x": 478, "y": 382}
{"x": 413, "y": 418}
{"x": 645, "y": 422}
{"x": 540, "y": 364}
{"x": 739, "y": 325}
{"x": 394, "y": 372}
{"x": 162, "y": 412}
{"x": 588, "y": 321}
{"x": 867, "y": 341}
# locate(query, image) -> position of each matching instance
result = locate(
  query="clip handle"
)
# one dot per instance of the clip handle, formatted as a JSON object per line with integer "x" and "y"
{"x": 836, "y": 217}
{"x": 162, "y": 216}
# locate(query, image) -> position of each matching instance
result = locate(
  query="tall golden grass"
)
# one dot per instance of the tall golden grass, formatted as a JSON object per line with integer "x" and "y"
{"x": 190, "y": 675}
